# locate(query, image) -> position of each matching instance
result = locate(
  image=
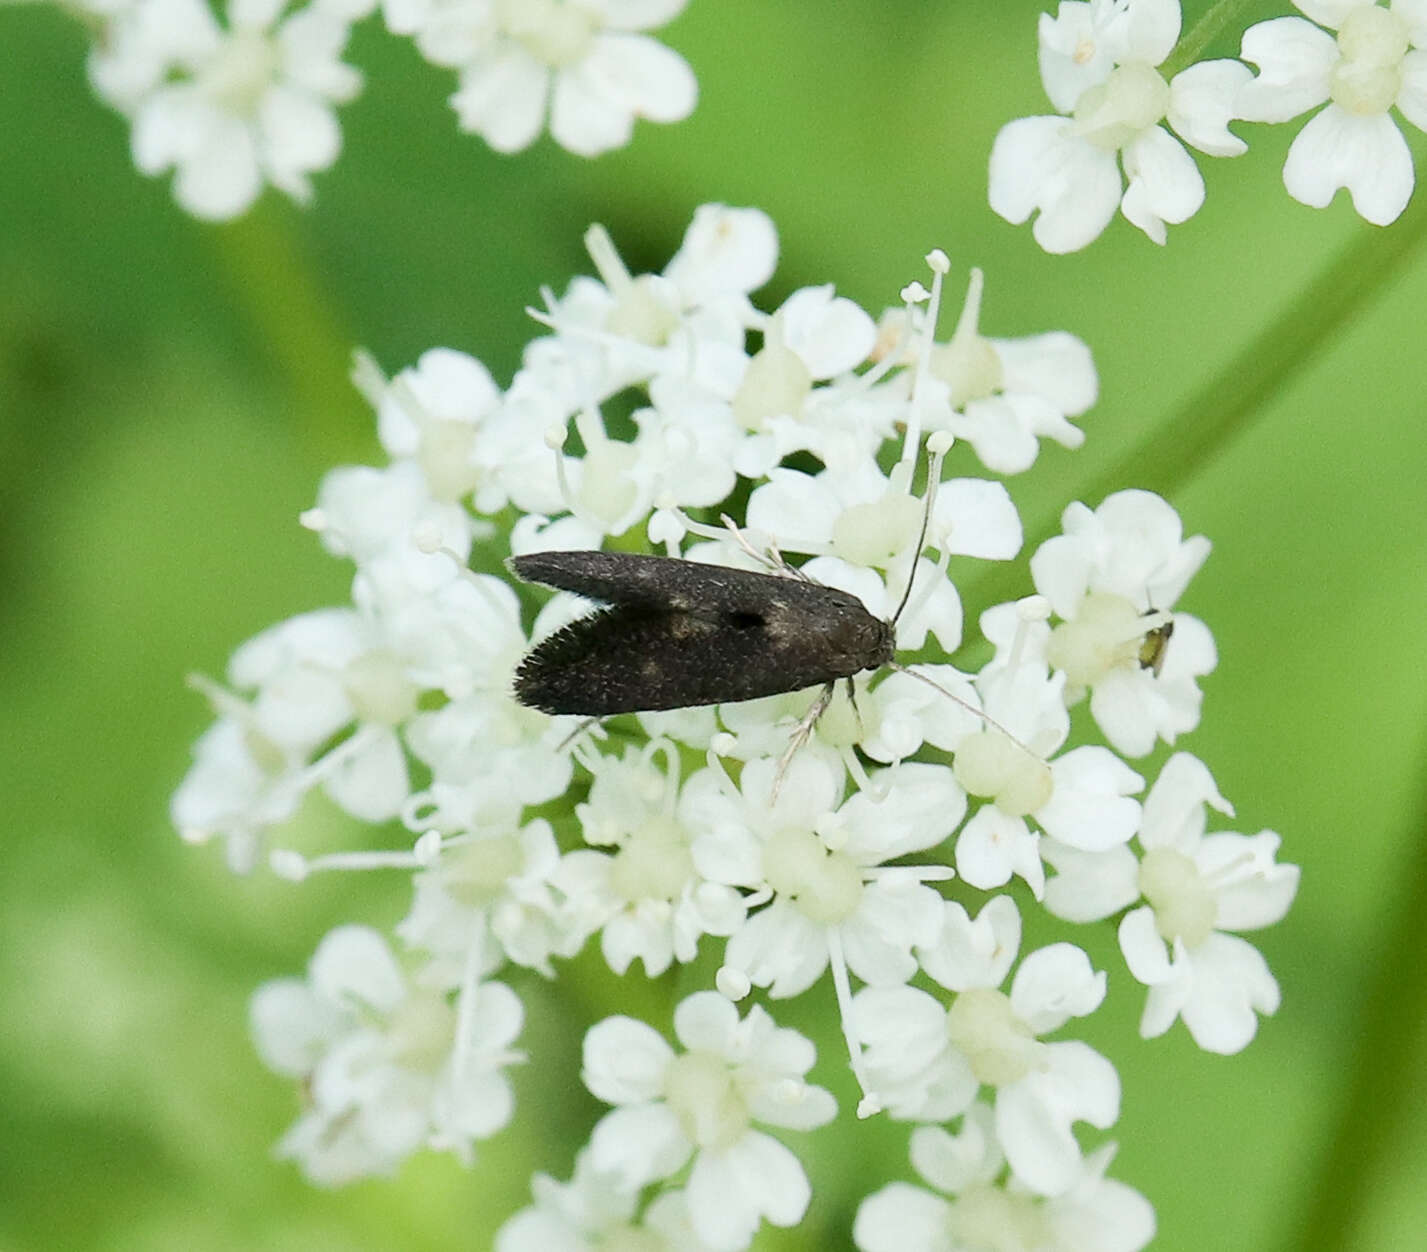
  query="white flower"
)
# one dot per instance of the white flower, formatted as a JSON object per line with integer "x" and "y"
{"x": 581, "y": 60}
{"x": 646, "y": 898}
{"x": 232, "y": 108}
{"x": 1196, "y": 887}
{"x": 975, "y": 1210}
{"x": 433, "y": 414}
{"x": 387, "y": 1067}
{"x": 703, "y": 1103}
{"x": 592, "y": 1212}
{"x": 310, "y": 677}
{"x": 1081, "y": 798}
{"x": 497, "y": 883}
{"x": 1108, "y": 570}
{"x": 927, "y": 1061}
{"x": 1377, "y": 61}
{"x": 1004, "y": 395}
{"x": 1098, "y": 64}
{"x": 822, "y": 861}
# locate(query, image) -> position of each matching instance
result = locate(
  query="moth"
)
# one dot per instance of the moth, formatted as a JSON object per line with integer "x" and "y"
{"x": 675, "y": 634}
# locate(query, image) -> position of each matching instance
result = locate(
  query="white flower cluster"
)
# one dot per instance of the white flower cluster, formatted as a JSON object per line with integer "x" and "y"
{"x": 1100, "y": 63}
{"x": 873, "y": 856}
{"x": 233, "y": 105}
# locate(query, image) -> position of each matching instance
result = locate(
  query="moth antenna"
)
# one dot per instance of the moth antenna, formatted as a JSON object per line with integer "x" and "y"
{"x": 970, "y": 708}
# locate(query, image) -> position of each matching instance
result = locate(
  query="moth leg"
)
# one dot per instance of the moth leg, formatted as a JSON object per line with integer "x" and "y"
{"x": 856, "y": 712}
{"x": 577, "y": 732}
{"x": 771, "y": 560}
{"x": 802, "y": 732}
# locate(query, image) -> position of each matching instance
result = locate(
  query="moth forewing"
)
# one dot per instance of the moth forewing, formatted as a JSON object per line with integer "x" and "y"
{"x": 681, "y": 634}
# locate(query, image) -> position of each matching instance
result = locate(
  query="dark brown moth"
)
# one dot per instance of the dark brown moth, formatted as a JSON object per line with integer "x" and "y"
{"x": 676, "y": 634}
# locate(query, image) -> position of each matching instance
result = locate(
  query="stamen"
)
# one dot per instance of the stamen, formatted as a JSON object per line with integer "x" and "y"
{"x": 367, "y": 377}
{"x": 466, "y": 1003}
{"x": 608, "y": 263}
{"x": 837, "y": 963}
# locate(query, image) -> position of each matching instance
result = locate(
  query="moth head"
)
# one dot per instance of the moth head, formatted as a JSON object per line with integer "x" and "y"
{"x": 858, "y": 640}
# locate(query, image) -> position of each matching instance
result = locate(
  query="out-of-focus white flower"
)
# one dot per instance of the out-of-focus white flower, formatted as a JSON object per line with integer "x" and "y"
{"x": 975, "y": 1209}
{"x": 1098, "y": 65}
{"x": 230, "y": 108}
{"x": 387, "y": 1067}
{"x": 582, "y": 63}
{"x": 1377, "y": 61}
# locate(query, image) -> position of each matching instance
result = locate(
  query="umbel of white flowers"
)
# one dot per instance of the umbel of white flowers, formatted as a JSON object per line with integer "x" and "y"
{"x": 880, "y": 865}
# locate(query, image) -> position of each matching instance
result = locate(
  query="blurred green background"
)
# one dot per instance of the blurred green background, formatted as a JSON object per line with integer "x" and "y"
{"x": 170, "y": 393}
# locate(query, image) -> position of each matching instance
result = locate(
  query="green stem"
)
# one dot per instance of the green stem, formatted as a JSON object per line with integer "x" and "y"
{"x": 1191, "y": 45}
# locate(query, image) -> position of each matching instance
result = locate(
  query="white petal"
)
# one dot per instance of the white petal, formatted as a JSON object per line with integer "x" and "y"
{"x": 354, "y": 962}
{"x": 977, "y": 518}
{"x": 986, "y": 849}
{"x": 1164, "y": 183}
{"x": 1089, "y": 886}
{"x": 1331, "y": 13}
{"x": 1150, "y": 30}
{"x": 1174, "y": 814}
{"x": 1053, "y": 985}
{"x": 974, "y": 954}
{"x": 923, "y": 806}
{"x": 290, "y": 1026}
{"x": 652, "y": 81}
{"x": 1144, "y": 951}
{"x": 1295, "y": 61}
{"x": 372, "y": 784}
{"x": 639, "y": 14}
{"x": 892, "y": 917}
{"x": 1260, "y": 900}
{"x": 1367, "y": 155}
{"x": 831, "y": 334}
{"x": 1056, "y": 365}
{"x": 1034, "y": 1116}
{"x": 706, "y": 1022}
{"x": 1090, "y": 807}
{"x": 1232, "y": 983}
{"x": 780, "y": 949}
{"x": 222, "y": 179}
{"x": 730, "y": 1190}
{"x": 725, "y": 251}
{"x": 625, "y": 1060}
{"x": 638, "y": 1143}
{"x": 1038, "y": 164}
{"x": 901, "y": 1218}
{"x": 502, "y": 97}
{"x": 1201, "y": 105}
{"x": 1412, "y": 95}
